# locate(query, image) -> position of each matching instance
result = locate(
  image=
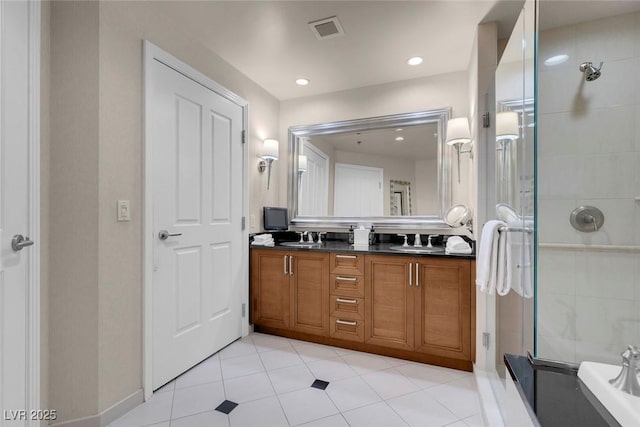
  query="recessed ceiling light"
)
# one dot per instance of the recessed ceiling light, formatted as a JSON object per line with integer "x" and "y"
{"x": 556, "y": 60}
{"x": 399, "y": 129}
{"x": 399, "y": 139}
{"x": 302, "y": 82}
{"x": 416, "y": 60}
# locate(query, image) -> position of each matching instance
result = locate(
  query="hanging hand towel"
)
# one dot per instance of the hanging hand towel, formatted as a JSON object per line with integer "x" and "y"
{"x": 487, "y": 256}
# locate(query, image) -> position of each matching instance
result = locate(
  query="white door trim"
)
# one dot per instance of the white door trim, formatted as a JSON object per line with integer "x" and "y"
{"x": 153, "y": 53}
{"x": 33, "y": 291}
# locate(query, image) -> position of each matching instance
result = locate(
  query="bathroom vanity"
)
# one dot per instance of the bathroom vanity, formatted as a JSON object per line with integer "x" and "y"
{"x": 418, "y": 307}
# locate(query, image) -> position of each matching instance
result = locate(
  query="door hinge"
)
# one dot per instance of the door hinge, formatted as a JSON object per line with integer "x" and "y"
{"x": 244, "y": 309}
{"x": 485, "y": 339}
{"x": 244, "y": 221}
{"x": 244, "y": 136}
{"x": 486, "y": 120}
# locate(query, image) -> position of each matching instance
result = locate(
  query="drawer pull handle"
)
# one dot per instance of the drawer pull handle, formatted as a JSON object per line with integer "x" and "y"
{"x": 285, "y": 266}
{"x": 347, "y": 256}
{"x": 347, "y": 279}
{"x": 410, "y": 272}
{"x": 347, "y": 301}
{"x": 344, "y": 322}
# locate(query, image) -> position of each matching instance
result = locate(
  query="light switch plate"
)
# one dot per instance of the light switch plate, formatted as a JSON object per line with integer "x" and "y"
{"x": 124, "y": 210}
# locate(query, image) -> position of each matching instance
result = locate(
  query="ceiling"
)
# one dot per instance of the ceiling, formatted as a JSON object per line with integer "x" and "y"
{"x": 271, "y": 42}
{"x": 420, "y": 142}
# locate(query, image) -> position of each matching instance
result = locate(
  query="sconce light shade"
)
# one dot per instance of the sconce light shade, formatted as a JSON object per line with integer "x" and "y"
{"x": 507, "y": 126}
{"x": 458, "y": 131}
{"x": 302, "y": 163}
{"x": 270, "y": 149}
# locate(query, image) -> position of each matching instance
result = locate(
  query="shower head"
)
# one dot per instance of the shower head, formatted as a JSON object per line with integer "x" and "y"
{"x": 591, "y": 73}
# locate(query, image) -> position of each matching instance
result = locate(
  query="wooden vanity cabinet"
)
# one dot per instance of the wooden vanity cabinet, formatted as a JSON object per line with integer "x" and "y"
{"x": 346, "y": 297}
{"x": 270, "y": 288}
{"x": 290, "y": 290}
{"x": 389, "y": 302}
{"x": 419, "y": 304}
{"x": 309, "y": 273}
{"x": 412, "y": 307}
{"x": 443, "y": 292}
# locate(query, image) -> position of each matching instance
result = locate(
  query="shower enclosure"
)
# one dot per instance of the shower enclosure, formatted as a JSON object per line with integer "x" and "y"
{"x": 575, "y": 168}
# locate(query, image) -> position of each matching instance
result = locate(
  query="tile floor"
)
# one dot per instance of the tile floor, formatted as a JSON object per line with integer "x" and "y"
{"x": 270, "y": 379}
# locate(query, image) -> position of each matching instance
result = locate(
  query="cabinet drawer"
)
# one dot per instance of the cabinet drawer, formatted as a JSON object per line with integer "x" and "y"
{"x": 347, "y": 307}
{"x": 347, "y": 264}
{"x": 347, "y": 329}
{"x": 346, "y": 285}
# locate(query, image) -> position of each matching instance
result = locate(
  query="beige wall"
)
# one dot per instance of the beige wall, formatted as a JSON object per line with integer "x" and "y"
{"x": 73, "y": 274}
{"x": 445, "y": 90}
{"x": 96, "y": 158}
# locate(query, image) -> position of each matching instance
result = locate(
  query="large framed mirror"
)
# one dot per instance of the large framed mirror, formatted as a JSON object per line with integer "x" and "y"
{"x": 390, "y": 172}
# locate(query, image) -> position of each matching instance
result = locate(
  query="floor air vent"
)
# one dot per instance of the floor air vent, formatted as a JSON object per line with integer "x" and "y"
{"x": 326, "y": 28}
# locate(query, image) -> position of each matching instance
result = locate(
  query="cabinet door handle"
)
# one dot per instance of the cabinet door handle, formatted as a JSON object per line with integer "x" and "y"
{"x": 410, "y": 273}
{"x": 417, "y": 274}
{"x": 290, "y": 265}
{"x": 285, "y": 265}
{"x": 345, "y": 322}
{"x": 346, "y": 279}
{"x": 347, "y": 256}
{"x": 347, "y": 301}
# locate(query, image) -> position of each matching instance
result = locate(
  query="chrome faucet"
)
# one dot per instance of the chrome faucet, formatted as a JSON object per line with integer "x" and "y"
{"x": 310, "y": 237}
{"x": 320, "y": 236}
{"x": 628, "y": 380}
{"x": 302, "y": 234}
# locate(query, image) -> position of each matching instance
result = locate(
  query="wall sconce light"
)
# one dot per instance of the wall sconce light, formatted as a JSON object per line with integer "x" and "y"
{"x": 302, "y": 164}
{"x": 507, "y": 127}
{"x": 458, "y": 134}
{"x": 269, "y": 154}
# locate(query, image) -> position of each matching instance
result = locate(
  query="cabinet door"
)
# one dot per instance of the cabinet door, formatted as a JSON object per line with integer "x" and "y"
{"x": 270, "y": 288}
{"x": 389, "y": 302}
{"x": 443, "y": 307}
{"x": 310, "y": 292}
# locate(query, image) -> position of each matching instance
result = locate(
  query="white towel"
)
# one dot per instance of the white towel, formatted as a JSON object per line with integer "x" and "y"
{"x": 457, "y": 245}
{"x": 263, "y": 240}
{"x": 487, "y": 256}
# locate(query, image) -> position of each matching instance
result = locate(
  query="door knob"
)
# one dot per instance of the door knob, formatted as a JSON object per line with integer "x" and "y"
{"x": 19, "y": 241}
{"x": 164, "y": 234}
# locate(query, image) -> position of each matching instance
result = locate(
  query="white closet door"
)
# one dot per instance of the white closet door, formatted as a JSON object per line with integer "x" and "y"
{"x": 314, "y": 183}
{"x": 358, "y": 190}
{"x": 197, "y": 193}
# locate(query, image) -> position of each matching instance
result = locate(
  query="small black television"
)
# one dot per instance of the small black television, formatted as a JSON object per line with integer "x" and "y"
{"x": 275, "y": 219}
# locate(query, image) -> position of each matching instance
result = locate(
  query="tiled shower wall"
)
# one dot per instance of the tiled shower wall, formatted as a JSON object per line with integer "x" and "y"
{"x": 589, "y": 154}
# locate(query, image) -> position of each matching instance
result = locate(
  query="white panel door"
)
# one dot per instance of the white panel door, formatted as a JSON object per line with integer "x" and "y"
{"x": 197, "y": 199}
{"x": 18, "y": 216}
{"x": 314, "y": 183}
{"x": 358, "y": 191}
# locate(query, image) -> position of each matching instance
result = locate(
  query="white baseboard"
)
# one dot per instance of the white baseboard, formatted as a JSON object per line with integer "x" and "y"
{"x": 490, "y": 410}
{"x": 107, "y": 416}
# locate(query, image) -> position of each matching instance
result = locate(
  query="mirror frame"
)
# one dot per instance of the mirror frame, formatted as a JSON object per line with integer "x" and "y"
{"x": 438, "y": 116}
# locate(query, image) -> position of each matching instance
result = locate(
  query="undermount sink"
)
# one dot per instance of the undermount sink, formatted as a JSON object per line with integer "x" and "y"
{"x": 624, "y": 407}
{"x": 414, "y": 250}
{"x": 307, "y": 245}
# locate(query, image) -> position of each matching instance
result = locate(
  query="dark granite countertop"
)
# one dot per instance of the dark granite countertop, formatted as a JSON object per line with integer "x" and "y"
{"x": 378, "y": 248}
{"x": 556, "y": 396}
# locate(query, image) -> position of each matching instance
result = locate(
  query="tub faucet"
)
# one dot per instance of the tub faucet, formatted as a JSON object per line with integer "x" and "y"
{"x": 628, "y": 380}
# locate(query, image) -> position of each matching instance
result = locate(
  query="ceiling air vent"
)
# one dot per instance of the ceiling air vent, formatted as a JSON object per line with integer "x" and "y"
{"x": 326, "y": 28}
